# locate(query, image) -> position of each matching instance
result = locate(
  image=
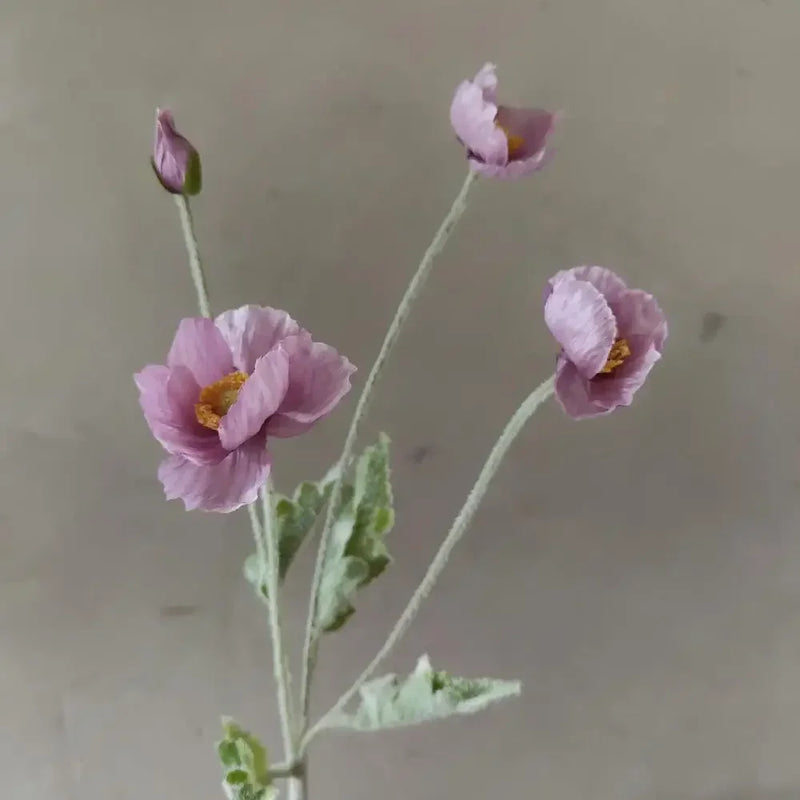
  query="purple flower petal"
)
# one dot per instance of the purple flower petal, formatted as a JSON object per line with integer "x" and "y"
{"x": 318, "y": 379}
{"x": 224, "y": 487}
{"x": 582, "y": 323}
{"x": 167, "y": 397}
{"x": 486, "y": 80}
{"x": 608, "y": 283}
{"x": 572, "y": 392}
{"x": 529, "y": 126}
{"x": 638, "y": 314}
{"x": 609, "y": 392}
{"x": 258, "y": 399}
{"x": 512, "y": 170}
{"x": 199, "y": 346}
{"x": 472, "y": 117}
{"x": 251, "y": 331}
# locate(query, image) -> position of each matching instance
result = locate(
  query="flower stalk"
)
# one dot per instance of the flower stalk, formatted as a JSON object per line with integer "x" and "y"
{"x": 459, "y": 527}
{"x": 193, "y": 251}
{"x": 311, "y": 640}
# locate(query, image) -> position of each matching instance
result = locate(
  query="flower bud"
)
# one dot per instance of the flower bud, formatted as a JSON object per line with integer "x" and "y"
{"x": 175, "y": 161}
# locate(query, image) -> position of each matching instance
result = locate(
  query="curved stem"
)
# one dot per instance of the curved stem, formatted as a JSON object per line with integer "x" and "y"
{"x": 311, "y": 641}
{"x": 195, "y": 265}
{"x": 457, "y": 530}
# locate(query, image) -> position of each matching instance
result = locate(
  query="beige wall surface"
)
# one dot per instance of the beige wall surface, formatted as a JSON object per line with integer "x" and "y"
{"x": 640, "y": 573}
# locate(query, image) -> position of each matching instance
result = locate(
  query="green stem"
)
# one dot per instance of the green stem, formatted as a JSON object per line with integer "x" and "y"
{"x": 279, "y": 663}
{"x": 311, "y": 641}
{"x": 532, "y": 402}
{"x": 268, "y": 564}
{"x": 195, "y": 265}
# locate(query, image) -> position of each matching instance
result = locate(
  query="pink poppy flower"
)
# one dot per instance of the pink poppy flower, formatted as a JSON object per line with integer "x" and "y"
{"x": 228, "y": 385}
{"x": 610, "y": 337}
{"x": 501, "y": 142}
{"x": 175, "y": 161}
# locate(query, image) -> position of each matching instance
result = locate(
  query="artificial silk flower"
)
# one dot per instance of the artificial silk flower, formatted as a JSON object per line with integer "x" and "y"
{"x": 175, "y": 161}
{"x": 229, "y": 385}
{"x": 610, "y": 337}
{"x": 501, "y": 142}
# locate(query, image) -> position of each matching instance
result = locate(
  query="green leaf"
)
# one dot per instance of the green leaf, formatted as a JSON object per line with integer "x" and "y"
{"x": 357, "y": 553}
{"x": 339, "y": 583}
{"x": 425, "y": 694}
{"x": 245, "y": 761}
{"x": 295, "y": 517}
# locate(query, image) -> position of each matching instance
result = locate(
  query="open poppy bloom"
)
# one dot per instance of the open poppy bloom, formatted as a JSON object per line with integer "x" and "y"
{"x": 610, "y": 337}
{"x": 228, "y": 385}
{"x": 501, "y": 142}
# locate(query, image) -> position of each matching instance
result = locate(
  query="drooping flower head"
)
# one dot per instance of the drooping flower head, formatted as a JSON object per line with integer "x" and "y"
{"x": 501, "y": 141}
{"x": 175, "y": 161}
{"x": 610, "y": 337}
{"x": 228, "y": 385}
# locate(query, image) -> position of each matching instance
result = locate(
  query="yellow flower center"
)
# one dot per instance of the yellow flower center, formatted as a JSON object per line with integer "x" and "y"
{"x": 515, "y": 143}
{"x": 620, "y": 350}
{"x": 217, "y": 398}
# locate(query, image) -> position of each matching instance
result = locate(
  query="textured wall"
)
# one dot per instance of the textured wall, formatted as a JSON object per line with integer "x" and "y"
{"x": 639, "y": 573}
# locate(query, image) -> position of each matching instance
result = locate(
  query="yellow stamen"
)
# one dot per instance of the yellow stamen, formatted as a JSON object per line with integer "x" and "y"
{"x": 515, "y": 143}
{"x": 216, "y": 399}
{"x": 620, "y": 350}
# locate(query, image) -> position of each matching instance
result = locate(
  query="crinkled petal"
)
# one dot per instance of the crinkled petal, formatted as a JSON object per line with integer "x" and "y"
{"x": 252, "y": 331}
{"x": 582, "y": 323}
{"x": 618, "y": 388}
{"x": 531, "y": 125}
{"x": 608, "y": 283}
{"x": 638, "y": 314}
{"x": 224, "y": 487}
{"x": 512, "y": 170}
{"x": 318, "y": 379}
{"x": 199, "y": 346}
{"x": 167, "y": 397}
{"x": 472, "y": 117}
{"x": 258, "y": 399}
{"x": 573, "y": 392}
{"x": 486, "y": 80}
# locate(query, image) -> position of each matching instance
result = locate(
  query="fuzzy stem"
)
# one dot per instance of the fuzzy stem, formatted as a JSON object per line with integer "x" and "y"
{"x": 311, "y": 641}
{"x": 532, "y": 402}
{"x": 195, "y": 265}
{"x": 279, "y": 663}
{"x": 266, "y": 551}
{"x": 298, "y": 787}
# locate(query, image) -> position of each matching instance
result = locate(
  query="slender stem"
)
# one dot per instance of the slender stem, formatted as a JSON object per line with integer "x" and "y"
{"x": 279, "y": 663}
{"x": 195, "y": 265}
{"x": 311, "y": 642}
{"x": 459, "y": 527}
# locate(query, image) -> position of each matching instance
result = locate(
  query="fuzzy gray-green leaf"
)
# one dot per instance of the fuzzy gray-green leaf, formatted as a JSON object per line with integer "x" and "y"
{"x": 357, "y": 553}
{"x": 294, "y": 517}
{"x": 424, "y": 695}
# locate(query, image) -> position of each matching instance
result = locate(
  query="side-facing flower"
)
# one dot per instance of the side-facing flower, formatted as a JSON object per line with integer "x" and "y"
{"x": 610, "y": 337}
{"x": 175, "y": 161}
{"x": 228, "y": 385}
{"x": 501, "y": 141}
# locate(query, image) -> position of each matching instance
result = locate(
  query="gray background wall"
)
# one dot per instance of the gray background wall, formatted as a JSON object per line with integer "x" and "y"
{"x": 639, "y": 573}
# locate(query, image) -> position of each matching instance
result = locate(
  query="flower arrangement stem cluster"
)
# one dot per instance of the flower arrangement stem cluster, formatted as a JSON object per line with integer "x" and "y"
{"x": 460, "y": 525}
{"x": 195, "y": 264}
{"x": 311, "y": 641}
{"x": 232, "y": 384}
